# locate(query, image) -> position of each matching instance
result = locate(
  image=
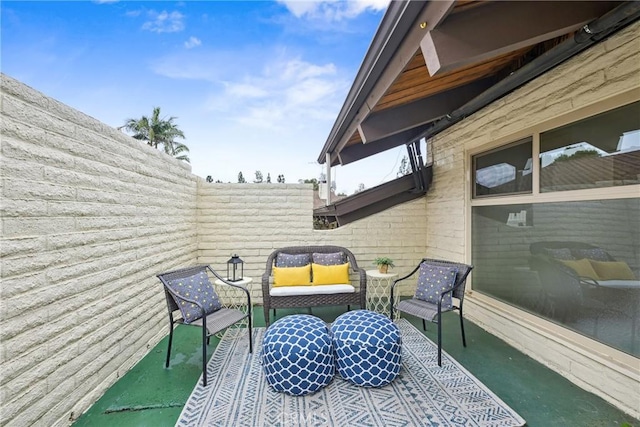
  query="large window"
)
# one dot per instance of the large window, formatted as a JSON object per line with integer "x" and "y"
{"x": 527, "y": 263}
{"x": 576, "y": 261}
{"x": 601, "y": 151}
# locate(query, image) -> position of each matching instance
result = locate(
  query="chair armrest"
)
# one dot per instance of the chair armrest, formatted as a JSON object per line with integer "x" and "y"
{"x": 235, "y": 285}
{"x": 395, "y": 282}
{"x": 362, "y": 274}
{"x": 589, "y": 281}
{"x": 268, "y": 270}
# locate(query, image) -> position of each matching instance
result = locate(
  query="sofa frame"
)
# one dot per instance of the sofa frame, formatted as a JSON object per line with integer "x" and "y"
{"x": 306, "y": 301}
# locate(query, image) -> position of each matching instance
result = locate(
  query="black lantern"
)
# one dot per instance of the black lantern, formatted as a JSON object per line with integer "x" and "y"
{"x": 235, "y": 269}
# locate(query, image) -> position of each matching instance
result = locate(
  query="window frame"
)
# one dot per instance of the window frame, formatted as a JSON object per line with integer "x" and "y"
{"x": 474, "y": 170}
{"x": 535, "y": 196}
{"x": 514, "y": 312}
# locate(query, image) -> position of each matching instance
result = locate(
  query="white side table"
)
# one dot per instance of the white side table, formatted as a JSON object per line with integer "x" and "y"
{"x": 234, "y": 298}
{"x": 379, "y": 292}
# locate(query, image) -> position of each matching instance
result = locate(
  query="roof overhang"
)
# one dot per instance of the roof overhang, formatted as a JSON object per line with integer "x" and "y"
{"x": 432, "y": 63}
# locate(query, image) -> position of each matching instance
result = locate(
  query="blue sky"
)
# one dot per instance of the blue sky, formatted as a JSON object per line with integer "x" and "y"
{"x": 255, "y": 85}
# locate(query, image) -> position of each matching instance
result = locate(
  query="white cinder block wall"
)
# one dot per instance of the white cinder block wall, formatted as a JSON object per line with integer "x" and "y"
{"x": 89, "y": 216}
{"x": 254, "y": 219}
{"x": 609, "y": 68}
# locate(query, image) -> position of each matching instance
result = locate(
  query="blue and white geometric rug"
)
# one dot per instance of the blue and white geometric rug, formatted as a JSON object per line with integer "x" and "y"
{"x": 424, "y": 394}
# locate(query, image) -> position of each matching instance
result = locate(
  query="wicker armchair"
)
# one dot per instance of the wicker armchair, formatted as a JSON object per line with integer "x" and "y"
{"x": 212, "y": 319}
{"x": 318, "y": 299}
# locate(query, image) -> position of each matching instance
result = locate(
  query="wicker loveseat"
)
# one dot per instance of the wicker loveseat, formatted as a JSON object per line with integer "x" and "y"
{"x": 576, "y": 274}
{"x": 313, "y": 295}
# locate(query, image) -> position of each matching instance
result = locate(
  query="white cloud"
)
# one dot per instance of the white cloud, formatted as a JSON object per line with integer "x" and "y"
{"x": 243, "y": 90}
{"x": 332, "y": 10}
{"x": 192, "y": 42}
{"x": 164, "y": 22}
{"x": 287, "y": 93}
{"x": 263, "y": 109}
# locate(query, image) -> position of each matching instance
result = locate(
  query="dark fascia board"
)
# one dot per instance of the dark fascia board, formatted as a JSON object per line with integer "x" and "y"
{"x": 377, "y": 199}
{"x": 356, "y": 152}
{"x": 395, "y": 24}
{"x": 388, "y": 122}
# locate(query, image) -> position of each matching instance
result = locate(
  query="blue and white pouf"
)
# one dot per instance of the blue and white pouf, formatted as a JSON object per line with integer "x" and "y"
{"x": 297, "y": 355}
{"x": 368, "y": 348}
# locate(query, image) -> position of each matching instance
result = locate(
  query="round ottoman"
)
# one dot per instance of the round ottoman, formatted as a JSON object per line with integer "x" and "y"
{"x": 297, "y": 355}
{"x": 367, "y": 348}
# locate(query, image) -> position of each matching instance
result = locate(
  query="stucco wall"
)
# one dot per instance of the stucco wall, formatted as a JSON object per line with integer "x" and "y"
{"x": 89, "y": 216}
{"x": 254, "y": 219}
{"x": 609, "y": 68}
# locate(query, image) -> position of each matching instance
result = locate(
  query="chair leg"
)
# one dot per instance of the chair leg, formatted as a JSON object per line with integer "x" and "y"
{"x": 424, "y": 324}
{"x": 250, "y": 335}
{"x": 464, "y": 341}
{"x": 266, "y": 316}
{"x": 439, "y": 341}
{"x": 204, "y": 357}
{"x": 169, "y": 347}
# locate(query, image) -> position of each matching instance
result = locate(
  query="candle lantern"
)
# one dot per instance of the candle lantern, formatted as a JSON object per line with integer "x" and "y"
{"x": 235, "y": 269}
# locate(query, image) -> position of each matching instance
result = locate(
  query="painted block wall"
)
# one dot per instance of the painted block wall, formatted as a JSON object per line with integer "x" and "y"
{"x": 608, "y": 68}
{"x": 89, "y": 216}
{"x": 253, "y": 220}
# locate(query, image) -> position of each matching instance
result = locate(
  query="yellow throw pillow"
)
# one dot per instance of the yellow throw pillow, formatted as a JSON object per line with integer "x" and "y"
{"x": 292, "y": 276}
{"x": 330, "y": 274}
{"x": 612, "y": 270}
{"x": 582, "y": 267}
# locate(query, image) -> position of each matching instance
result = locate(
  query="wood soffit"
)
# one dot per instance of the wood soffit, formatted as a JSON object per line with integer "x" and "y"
{"x": 415, "y": 83}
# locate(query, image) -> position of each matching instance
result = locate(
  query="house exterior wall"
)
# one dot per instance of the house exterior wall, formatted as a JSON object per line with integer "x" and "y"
{"x": 252, "y": 220}
{"x": 609, "y": 69}
{"x": 89, "y": 216}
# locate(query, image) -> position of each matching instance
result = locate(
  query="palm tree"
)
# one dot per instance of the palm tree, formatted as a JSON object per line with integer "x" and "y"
{"x": 158, "y": 131}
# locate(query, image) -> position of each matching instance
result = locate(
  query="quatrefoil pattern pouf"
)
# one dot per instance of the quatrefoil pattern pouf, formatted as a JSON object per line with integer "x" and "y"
{"x": 297, "y": 355}
{"x": 368, "y": 348}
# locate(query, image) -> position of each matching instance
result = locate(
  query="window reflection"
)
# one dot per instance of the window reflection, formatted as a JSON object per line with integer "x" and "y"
{"x": 600, "y": 151}
{"x": 535, "y": 257}
{"x": 504, "y": 171}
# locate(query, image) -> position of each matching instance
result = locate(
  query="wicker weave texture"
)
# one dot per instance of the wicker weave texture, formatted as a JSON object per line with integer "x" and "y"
{"x": 303, "y": 301}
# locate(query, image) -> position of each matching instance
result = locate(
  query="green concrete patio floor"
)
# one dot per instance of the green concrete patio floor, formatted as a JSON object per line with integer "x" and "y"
{"x": 151, "y": 395}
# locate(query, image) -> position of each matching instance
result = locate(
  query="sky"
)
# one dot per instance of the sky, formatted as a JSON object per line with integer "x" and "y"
{"x": 254, "y": 85}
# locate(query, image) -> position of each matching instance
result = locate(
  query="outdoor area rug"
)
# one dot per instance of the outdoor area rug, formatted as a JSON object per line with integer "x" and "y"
{"x": 424, "y": 394}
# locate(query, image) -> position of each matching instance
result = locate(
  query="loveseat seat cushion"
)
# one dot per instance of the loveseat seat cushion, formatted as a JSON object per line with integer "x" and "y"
{"x": 286, "y": 291}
